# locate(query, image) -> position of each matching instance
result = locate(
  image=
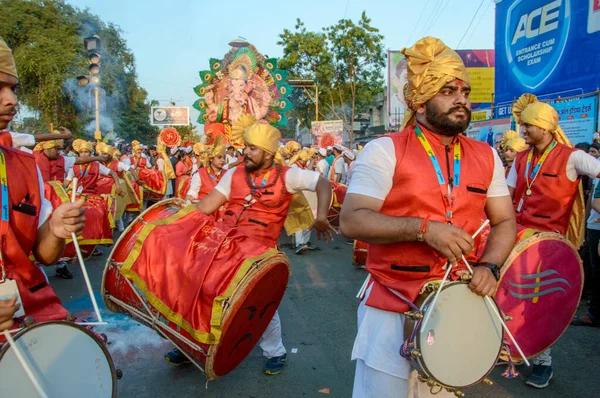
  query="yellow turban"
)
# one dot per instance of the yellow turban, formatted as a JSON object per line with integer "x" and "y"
{"x": 49, "y": 144}
{"x": 529, "y": 110}
{"x": 216, "y": 151}
{"x": 512, "y": 140}
{"x": 81, "y": 145}
{"x": 264, "y": 136}
{"x": 7, "y": 62}
{"x": 293, "y": 146}
{"x": 431, "y": 65}
{"x": 135, "y": 144}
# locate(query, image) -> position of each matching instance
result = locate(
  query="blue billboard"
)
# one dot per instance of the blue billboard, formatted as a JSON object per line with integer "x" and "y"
{"x": 549, "y": 47}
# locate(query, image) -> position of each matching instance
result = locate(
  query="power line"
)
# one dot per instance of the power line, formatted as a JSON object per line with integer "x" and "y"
{"x": 431, "y": 16}
{"x": 346, "y": 12}
{"x": 417, "y": 24}
{"x": 479, "y": 21}
{"x": 470, "y": 24}
{"x": 437, "y": 16}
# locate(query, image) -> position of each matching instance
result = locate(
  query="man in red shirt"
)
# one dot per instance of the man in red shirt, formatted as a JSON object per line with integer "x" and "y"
{"x": 416, "y": 197}
{"x": 256, "y": 199}
{"x": 29, "y": 229}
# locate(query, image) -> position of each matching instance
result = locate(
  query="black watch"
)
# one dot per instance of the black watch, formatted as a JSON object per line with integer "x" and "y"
{"x": 493, "y": 267}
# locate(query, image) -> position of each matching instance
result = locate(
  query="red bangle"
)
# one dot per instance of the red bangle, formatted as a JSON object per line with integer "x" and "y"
{"x": 424, "y": 225}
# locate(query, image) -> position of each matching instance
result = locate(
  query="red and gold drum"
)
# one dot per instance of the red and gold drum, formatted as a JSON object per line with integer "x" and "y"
{"x": 154, "y": 183}
{"x": 359, "y": 253}
{"x": 183, "y": 187}
{"x": 206, "y": 287}
{"x": 337, "y": 199}
{"x": 539, "y": 289}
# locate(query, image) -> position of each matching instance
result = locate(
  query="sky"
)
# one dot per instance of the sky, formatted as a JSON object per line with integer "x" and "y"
{"x": 172, "y": 40}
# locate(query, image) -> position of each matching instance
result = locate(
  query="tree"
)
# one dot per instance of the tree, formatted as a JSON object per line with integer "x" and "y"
{"x": 346, "y": 61}
{"x": 188, "y": 133}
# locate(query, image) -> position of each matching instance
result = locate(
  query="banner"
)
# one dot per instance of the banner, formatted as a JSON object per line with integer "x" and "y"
{"x": 170, "y": 115}
{"x": 480, "y": 66}
{"x": 327, "y": 133}
{"x": 547, "y": 47}
{"x": 577, "y": 118}
{"x": 397, "y": 78}
{"x": 489, "y": 131}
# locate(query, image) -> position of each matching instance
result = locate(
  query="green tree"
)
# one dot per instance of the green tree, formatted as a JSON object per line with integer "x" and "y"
{"x": 188, "y": 133}
{"x": 346, "y": 61}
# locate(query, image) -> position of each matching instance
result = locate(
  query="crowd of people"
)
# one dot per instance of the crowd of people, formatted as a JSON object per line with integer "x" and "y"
{"x": 415, "y": 196}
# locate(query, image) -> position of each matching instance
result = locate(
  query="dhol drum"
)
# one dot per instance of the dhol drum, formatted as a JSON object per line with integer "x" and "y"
{"x": 539, "y": 290}
{"x": 206, "y": 287}
{"x": 461, "y": 342}
{"x": 359, "y": 253}
{"x": 67, "y": 360}
{"x": 337, "y": 200}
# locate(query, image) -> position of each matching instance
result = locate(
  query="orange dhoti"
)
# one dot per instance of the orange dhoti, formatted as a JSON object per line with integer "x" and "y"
{"x": 203, "y": 285}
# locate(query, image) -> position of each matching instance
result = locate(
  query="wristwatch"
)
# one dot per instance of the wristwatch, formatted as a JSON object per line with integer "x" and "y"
{"x": 493, "y": 267}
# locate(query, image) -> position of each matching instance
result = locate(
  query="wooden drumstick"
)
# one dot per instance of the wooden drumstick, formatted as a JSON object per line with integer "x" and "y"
{"x": 437, "y": 293}
{"x": 81, "y": 263}
{"x": 491, "y": 304}
{"x": 25, "y": 365}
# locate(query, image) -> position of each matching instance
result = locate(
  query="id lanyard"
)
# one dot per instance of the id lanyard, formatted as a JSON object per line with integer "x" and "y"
{"x": 446, "y": 188}
{"x": 530, "y": 179}
{"x": 5, "y": 211}
{"x": 84, "y": 173}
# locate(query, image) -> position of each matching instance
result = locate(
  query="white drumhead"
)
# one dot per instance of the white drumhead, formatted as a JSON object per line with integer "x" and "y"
{"x": 67, "y": 361}
{"x": 463, "y": 337}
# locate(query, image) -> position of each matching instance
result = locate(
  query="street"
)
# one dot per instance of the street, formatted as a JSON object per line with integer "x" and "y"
{"x": 318, "y": 315}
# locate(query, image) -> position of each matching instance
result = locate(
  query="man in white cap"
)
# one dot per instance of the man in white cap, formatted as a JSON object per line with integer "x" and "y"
{"x": 322, "y": 164}
{"x": 330, "y": 156}
{"x": 337, "y": 167}
{"x": 349, "y": 161}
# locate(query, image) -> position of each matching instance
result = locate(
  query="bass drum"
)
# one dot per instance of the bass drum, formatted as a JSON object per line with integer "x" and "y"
{"x": 206, "y": 287}
{"x": 68, "y": 361}
{"x": 539, "y": 289}
{"x": 337, "y": 200}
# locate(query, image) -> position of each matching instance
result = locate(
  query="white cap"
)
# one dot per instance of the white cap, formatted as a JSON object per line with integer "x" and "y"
{"x": 347, "y": 153}
{"x": 338, "y": 147}
{"x": 174, "y": 150}
{"x": 330, "y": 148}
{"x": 188, "y": 149}
{"x": 322, "y": 152}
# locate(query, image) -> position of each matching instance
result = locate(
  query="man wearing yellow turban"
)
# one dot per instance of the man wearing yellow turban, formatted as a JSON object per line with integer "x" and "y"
{"x": 511, "y": 144}
{"x": 417, "y": 196}
{"x": 257, "y": 199}
{"x": 206, "y": 178}
{"x": 546, "y": 188}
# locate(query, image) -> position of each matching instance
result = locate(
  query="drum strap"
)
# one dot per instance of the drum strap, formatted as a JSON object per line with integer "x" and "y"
{"x": 5, "y": 211}
{"x": 409, "y": 343}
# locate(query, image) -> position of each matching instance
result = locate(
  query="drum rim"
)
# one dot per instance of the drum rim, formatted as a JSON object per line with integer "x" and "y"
{"x": 113, "y": 371}
{"x": 234, "y": 298}
{"x": 420, "y": 360}
{"x": 522, "y": 246}
{"x": 176, "y": 201}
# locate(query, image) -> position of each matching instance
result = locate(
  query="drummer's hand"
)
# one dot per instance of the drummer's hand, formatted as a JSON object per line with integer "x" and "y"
{"x": 7, "y": 311}
{"x": 106, "y": 158}
{"x": 449, "y": 240}
{"x": 324, "y": 229}
{"x": 68, "y": 218}
{"x": 483, "y": 282}
{"x": 67, "y": 132}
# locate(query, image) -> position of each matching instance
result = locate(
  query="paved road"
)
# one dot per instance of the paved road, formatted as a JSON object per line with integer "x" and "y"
{"x": 318, "y": 315}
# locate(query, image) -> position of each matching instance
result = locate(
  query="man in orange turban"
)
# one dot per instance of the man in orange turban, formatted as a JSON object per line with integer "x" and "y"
{"x": 417, "y": 196}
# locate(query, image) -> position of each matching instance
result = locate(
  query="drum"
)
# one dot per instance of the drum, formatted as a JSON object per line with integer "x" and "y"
{"x": 206, "y": 287}
{"x": 461, "y": 342}
{"x": 359, "y": 253}
{"x": 337, "y": 199}
{"x": 539, "y": 289}
{"x": 154, "y": 183}
{"x": 183, "y": 186}
{"x": 67, "y": 360}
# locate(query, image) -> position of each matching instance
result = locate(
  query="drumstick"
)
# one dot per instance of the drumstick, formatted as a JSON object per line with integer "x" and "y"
{"x": 363, "y": 287}
{"x": 80, "y": 258}
{"x": 25, "y": 365}
{"x": 437, "y": 293}
{"x": 490, "y": 303}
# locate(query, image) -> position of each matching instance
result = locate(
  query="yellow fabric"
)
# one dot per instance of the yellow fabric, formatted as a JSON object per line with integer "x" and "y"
{"x": 7, "y": 61}
{"x": 161, "y": 148}
{"x": 135, "y": 144}
{"x": 101, "y": 147}
{"x": 81, "y": 145}
{"x": 528, "y": 109}
{"x": 512, "y": 139}
{"x": 293, "y": 146}
{"x": 431, "y": 65}
{"x": 307, "y": 154}
{"x": 264, "y": 136}
{"x": 300, "y": 215}
{"x": 216, "y": 150}
{"x": 49, "y": 144}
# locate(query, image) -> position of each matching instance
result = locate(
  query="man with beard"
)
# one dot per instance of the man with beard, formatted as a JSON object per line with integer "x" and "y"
{"x": 416, "y": 197}
{"x": 257, "y": 198}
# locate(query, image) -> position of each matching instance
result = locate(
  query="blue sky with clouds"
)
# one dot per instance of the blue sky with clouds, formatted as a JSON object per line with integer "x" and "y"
{"x": 172, "y": 40}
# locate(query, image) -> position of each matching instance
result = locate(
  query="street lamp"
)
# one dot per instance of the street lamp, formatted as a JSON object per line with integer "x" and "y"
{"x": 306, "y": 84}
{"x": 93, "y": 45}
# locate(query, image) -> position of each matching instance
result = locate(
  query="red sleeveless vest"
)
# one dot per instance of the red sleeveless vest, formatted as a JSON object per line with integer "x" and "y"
{"x": 406, "y": 267}
{"x": 141, "y": 162}
{"x": 260, "y": 221}
{"x": 39, "y": 299}
{"x": 88, "y": 176}
{"x": 552, "y": 194}
{"x": 6, "y": 139}
{"x": 207, "y": 184}
{"x": 113, "y": 165}
{"x": 52, "y": 170}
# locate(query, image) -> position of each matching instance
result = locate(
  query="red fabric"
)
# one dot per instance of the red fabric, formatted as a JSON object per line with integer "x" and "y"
{"x": 97, "y": 226}
{"x": 113, "y": 165}
{"x": 207, "y": 184}
{"x": 180, "y": 170}
{"x": 552, "y": 194}
{"x": 52, "y": 170}
{"x": 138, "y": 162}
{"x": 153, "y": 181}
{"x": 88, "y": 175}
{"x": 105, "y": 183}
{"x": 416, "y": 193}
{"x": 261, "y": 222}
{"x": 183, "y": 187}
{"x": 39, "y": 300}
{"x": 6, "y": 139}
